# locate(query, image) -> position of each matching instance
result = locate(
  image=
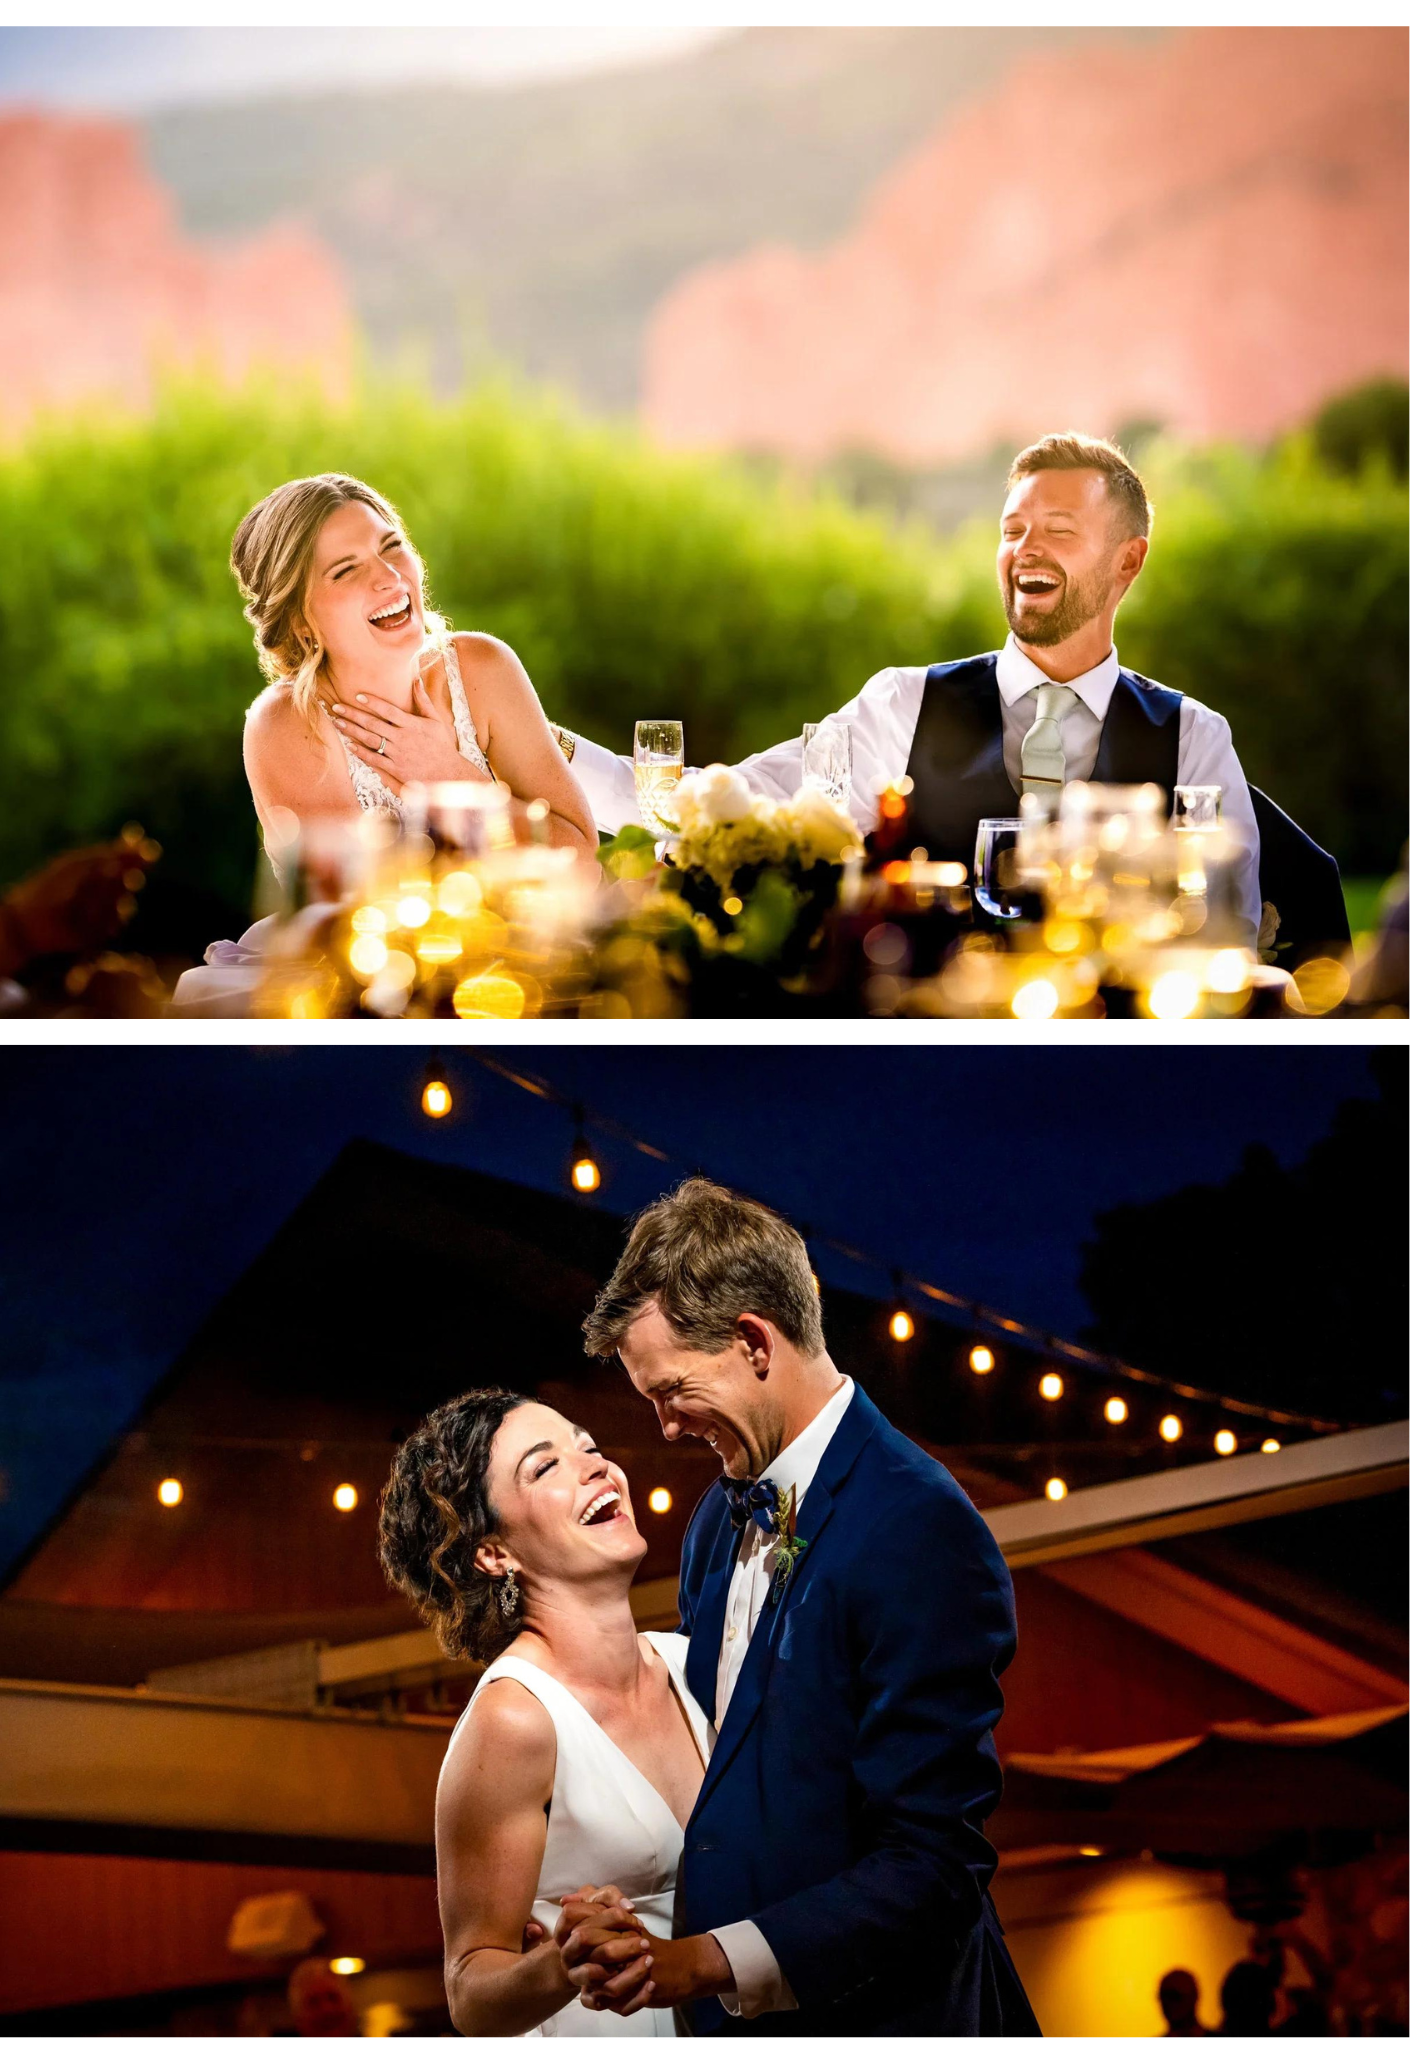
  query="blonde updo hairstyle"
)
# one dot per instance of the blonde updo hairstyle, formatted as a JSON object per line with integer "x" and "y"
{"x": 272, "y": 558}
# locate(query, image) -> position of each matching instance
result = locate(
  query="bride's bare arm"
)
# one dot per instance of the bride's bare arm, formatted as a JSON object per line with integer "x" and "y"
{"x": 519, "y": 742}
{"x": 491, "y": 1817}
{"x": 293, "y": 763}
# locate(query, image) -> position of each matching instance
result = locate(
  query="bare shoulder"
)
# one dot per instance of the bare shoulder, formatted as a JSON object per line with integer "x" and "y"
{"x": 486, "y": 662}
{"x": 273, "y": 726}
{"x": 508, "y": 1731}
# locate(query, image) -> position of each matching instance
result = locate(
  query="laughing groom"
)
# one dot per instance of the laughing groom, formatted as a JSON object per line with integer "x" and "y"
{"x": 849, "y": 1617}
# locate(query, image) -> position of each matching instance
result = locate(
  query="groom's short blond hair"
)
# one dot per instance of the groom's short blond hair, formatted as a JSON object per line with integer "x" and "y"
{"x": 704, "y": 1255}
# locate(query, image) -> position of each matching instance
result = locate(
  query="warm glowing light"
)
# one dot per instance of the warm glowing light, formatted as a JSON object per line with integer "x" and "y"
{"x": 1063, "y": 935}
{"x": 1035, "y": 1000}
{"x": 439, "y": 946}
{"x": 345, "y": 1497}
{"x": 413, "y": 912}
{"x": 584, "y": 1174}
{"x": 732, "y": 905}
{"x": 347, "y": 1966}
{"x": 488, "y": 995}
{"x": 169, "y": 1492}
{"x": 982, "y": 1360}
{"x": 368, "y": 954}
{"x": 1225, "y": 1442}
{"x": 1321, "y": 985}
{"x": 1057, "y": 1488}
{"x": 900, "y": 1325}
{"x": 459, "y": 894}
{"x": 1116, "y": 1411}
{"x": 436, "y": 1099}
{"x": 1091, "y": 1851}
{"x": 659, "y": 1501}
{"x": 815, "y": 1280}
{"x": 1270, "y": 1446}
{"x": 1228, "y": 972}
{"x": 369, "y": 918}
{"x": 1173, "y": 995}
{"x": 1051, "y": 1387}
{"x": 1170, "y": 1428}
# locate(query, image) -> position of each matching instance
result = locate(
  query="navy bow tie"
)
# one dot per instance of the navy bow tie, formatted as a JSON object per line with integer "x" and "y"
{"x": 758, "y": 1501}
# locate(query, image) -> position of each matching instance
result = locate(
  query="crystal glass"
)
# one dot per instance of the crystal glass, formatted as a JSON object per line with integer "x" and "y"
{"x": 995, "y": 876}
{"x": 657, "y": 769}
{"x": 1195, "y": 808}
{"x": 827, "y": 760}
{"x": 469, "y": 819}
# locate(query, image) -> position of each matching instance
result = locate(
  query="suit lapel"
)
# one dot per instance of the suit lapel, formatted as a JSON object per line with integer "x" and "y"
{"x": 709, "y": 1615}
{"x": 813, "y": 1518}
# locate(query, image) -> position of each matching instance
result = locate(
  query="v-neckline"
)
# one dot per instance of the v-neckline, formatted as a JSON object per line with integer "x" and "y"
{"x": 622, "y": 1753}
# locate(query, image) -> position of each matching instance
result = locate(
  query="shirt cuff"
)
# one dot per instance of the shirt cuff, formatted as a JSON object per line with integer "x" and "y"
{"x": 761, "y": 1984}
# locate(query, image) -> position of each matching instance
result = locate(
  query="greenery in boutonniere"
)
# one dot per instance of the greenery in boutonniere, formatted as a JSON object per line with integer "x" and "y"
{"x": 788, "y": 1544}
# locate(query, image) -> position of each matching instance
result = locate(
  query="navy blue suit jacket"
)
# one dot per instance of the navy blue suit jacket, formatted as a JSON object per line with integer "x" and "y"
{"x": 843, "y": 1807}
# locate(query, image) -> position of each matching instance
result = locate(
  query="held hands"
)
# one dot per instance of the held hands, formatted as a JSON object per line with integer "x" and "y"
{"x": 605, "y": 1951}
{"x": 417, "y": 744}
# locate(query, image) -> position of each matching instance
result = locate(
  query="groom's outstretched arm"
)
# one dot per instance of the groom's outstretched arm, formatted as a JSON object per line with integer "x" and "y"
{"x": 934, "y": 1626}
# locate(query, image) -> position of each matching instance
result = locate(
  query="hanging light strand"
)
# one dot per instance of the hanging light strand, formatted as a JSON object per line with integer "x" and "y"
{"x": 976, "y": 1317}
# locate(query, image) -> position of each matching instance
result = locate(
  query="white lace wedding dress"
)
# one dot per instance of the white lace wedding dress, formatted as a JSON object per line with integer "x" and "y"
{"x": 607, "y": 1825}
{"x": 222, "y": 986}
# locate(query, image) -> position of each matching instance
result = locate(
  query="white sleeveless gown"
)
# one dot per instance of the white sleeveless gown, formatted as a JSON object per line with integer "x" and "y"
{"x": 222, "y": 986}
{"x": 607, "y": 1825}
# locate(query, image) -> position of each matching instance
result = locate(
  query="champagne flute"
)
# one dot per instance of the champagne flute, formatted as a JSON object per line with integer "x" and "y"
{"x": 657, "y": 769}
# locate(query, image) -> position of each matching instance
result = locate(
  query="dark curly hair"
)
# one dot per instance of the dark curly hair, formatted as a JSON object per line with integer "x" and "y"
{"x": 435, "y": 1512}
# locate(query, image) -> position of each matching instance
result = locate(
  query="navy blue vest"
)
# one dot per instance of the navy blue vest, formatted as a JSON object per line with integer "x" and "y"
{"x": 955, "y": 763}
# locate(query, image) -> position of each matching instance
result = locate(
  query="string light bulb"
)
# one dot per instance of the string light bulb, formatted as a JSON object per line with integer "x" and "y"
{"x": 1225, "y": 1442}
{"x": 982, "y": 1360}
{"x": 1057, "y": 1488}
{"x": 1116, "y": 1411}
{"x": 436, "y": 1099}
{"x": 345, "y": 1497}
{"x": 585, "y": 1174}
{"x": 659, "y": 1501}
{"x": 170, "y": 1492}
{"x": 1270, "y": 1446}
{"x": 1170, "y": 1428}
{"x": 900, "y": 1325}
{"x": 347, "y": 1966}
{"x": 1052, "y": 1388}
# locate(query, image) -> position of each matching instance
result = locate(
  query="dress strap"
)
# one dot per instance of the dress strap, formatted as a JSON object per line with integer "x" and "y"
{"x": 467, "y": 741}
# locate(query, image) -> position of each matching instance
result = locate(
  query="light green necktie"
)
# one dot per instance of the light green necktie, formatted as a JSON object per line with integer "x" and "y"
{"x": 1042, "y": 754}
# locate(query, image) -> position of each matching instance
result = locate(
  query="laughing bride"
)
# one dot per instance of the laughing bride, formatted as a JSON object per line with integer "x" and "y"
{"x": 370, "y": 691}
{"x": 369, "y": 688}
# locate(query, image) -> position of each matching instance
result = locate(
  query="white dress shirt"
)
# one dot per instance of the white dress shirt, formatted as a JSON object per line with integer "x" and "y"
{"x": 761, "y": 1984}
{"x": 883, "y": 717}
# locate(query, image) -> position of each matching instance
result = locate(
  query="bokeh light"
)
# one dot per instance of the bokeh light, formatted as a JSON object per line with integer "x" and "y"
{"x": 659, "y": 1501}
{"x": 1052, "y": 1388}
{"x": 1170, "y": 1428}
{"x": 1116, "y": 1411}
{"x": 1225, "y": 1442}
{"x": 345, "y": 1497}
{"x": 982, "y": 1360}
{"x": 900, "y": 1325}
{"x": 436, "y": 1099}
{"x": 170, "y": 1492}
{"x": 1057, "y": 1488}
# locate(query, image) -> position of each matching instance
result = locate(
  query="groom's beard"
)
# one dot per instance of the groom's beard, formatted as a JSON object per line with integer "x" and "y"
{"x": 1079, "y": 603}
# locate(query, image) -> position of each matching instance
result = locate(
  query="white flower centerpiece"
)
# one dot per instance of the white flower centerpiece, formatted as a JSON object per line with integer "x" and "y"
{"x": 764, "y": 873}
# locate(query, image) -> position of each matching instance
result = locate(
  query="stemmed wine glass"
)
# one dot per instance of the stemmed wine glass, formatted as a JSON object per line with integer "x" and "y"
{"x": 827, "y": 760}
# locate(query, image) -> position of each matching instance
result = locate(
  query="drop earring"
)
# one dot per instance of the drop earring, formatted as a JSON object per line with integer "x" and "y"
{"x": 508, "y": 1595}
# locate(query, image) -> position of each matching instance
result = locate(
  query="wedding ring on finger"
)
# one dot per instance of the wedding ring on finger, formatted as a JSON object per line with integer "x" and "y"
{"x": 382, "y": 748}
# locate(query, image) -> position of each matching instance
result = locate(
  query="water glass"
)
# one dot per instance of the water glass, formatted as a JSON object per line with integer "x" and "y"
{"x": 657, "y": 768}
{"x": 995, "y": 875}
{"x": 1196, "y": 808}
{"x": 827, "y": 760}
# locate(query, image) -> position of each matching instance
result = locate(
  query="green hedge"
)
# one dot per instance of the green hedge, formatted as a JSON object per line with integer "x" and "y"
{"x": 633, "y": 584}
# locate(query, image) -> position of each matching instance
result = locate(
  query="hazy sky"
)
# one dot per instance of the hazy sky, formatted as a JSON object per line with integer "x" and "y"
{"x": 132, "y": 70}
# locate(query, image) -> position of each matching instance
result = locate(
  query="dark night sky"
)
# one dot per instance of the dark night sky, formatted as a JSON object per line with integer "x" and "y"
{"x": 139, "y": 1182}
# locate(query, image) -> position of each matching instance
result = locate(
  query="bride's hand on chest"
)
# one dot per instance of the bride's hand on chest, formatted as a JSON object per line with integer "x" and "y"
{"x": 402, "y": 745}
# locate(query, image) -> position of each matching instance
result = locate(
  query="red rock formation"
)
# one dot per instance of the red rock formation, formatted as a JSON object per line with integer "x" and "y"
{"x": 99, "y": 288}
{"x": 1211, "y": 232}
